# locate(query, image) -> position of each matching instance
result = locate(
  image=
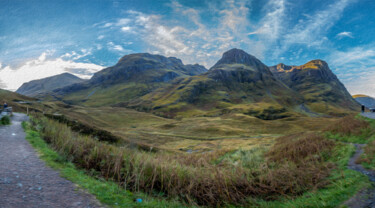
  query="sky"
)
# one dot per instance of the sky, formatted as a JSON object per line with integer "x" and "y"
{"x": 41, "y": 38}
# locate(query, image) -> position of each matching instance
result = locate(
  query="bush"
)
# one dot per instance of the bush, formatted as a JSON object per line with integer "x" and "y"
{"x": 5, "y": 120}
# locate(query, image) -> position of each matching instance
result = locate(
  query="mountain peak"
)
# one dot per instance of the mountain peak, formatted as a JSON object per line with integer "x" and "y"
{"x": 238, "y": 56}
{"x": 315, "y": 64}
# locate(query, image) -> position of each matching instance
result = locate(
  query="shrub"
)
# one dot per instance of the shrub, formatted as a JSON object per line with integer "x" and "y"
{"x": 5, "y": 120}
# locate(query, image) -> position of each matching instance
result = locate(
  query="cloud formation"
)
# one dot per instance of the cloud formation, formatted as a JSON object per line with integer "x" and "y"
{"x": 202, "y": 40}
{"x": 344, "y": 34}
{"x": 42, "y": 67}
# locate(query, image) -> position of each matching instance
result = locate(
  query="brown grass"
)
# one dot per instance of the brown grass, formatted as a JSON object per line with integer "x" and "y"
{"x": 195, "y": 179}
{"x": 348, "y": 126}
{"x": 300, "y": 148}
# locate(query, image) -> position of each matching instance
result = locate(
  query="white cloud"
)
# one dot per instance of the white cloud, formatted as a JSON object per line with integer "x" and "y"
{"x": 42, "y": 67}
{"x": 345, "y": 34}
{"x": 118, "y": 48}
{"x": 123, "y": 21}
{"x": 77, "y": 55}
{"x": 108, "y": 24}
{"x": 100, "y": 37}
{"x": 126, "y": 29}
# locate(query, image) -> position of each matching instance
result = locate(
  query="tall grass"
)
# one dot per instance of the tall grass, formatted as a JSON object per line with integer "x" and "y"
{"x": 197, "y": 180}
{"x": 350, "y": 129}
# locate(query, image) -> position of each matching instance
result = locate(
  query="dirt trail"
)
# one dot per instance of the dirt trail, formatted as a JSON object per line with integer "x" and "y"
{"x": 25, "y": 181}
{"x": 365, "y": 198}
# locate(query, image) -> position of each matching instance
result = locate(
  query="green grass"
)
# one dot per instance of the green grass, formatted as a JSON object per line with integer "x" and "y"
{"x": 359, "y": 139}
{"x": 106, "y": 192}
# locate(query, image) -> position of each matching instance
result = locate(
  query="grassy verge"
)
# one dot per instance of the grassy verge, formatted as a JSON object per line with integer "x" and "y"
{"x": 344, "y": 183}
{"x": 359, "y": 130}
{"x": 107, "y": 192}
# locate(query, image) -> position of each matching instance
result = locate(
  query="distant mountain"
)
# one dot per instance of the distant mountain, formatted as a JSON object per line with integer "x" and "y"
{"x": 322, "y": 91}
{"x": 237, "y": 82}
{"x": 365, "y": 100}
{"x": 38, "y": 87}
{"x": 133, "y": 76}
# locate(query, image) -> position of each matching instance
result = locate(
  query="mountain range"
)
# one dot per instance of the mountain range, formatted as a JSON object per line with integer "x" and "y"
{"x": 133, "y": 76}
{"x": 237, "y": 83}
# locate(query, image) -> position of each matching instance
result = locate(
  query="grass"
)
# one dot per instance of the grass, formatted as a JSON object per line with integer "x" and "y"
{"x": 300, "y": 170}
{"x": 107, "y": 192}
{"x": 344, "y": 183}
{"x": 193, "y": 132}
{"x": 196, "y": 178}
{"x": 352, "y": 129}
{"x": 356, "y": 130}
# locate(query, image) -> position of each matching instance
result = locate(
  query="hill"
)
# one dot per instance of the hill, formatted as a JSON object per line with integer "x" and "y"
{"x": 42, "y": 86}
{"x": 237, "y": 82}
{"x": 13, "y": 100}
{"x": 133, "y": 76}
{"x": 322, "y": 91}
{"x": 365, "y": 100}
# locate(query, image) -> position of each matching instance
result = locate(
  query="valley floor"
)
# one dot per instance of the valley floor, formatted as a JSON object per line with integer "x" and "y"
{"x": 25, "y": 181}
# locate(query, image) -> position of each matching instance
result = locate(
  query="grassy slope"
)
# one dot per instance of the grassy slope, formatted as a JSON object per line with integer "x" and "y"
{"x": 207, "y": 96}
{"x": 106, "y": 192}
{"x": 230, "y": 131}
{"x": 106, "y": 96}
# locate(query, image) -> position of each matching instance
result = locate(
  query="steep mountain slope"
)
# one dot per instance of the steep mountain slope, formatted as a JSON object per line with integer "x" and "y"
{"x": 365, "y": 100}
{"x": 237, "y": 82}
{"x": 41, "y": 86}
{"x": 321, "y": 89}
{"x": 133, "y": 76}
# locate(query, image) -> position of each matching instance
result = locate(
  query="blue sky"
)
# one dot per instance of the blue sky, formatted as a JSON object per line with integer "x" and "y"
{"x": 40, "y": 38}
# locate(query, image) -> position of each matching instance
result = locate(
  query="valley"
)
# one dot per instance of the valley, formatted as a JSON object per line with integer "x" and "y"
{"x": 262, "y": 136}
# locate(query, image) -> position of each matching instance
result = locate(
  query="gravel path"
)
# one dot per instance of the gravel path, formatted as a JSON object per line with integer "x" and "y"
{"x": 368, "y": 115}
{"x": 365, "y": 198}
{"x": 25, "y": 181}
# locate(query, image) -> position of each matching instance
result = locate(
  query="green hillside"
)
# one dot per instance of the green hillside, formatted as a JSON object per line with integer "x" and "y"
{"x": 237, "y": 83}
{"x": 133, "y": 76}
